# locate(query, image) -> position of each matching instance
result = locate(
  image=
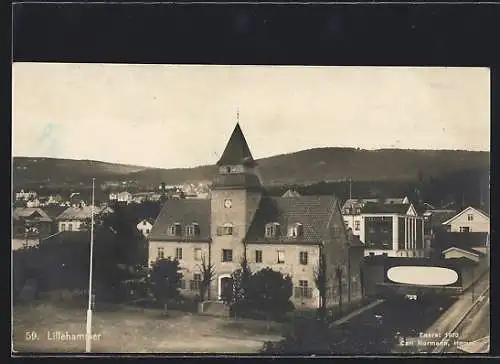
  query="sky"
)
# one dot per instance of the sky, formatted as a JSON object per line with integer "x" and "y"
{"x": 178, "y": 116}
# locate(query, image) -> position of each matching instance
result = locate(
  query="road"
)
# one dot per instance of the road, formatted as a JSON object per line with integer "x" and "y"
{"x": 379, "y": 330}
{"x": 401, "y": 326}
{"x": 475, "y": 326}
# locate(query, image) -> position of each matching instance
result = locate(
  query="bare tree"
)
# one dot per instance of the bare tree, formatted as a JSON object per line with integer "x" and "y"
{"x": 207, "y": 270}
{"x": 338, "y": 277}
{"x": 321, "y": 280}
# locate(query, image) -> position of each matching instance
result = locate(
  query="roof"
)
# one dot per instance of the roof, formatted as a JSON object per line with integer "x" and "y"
{"x": 291, "y": 193}
{"x": 438, "y": 217}
{"x": 148, "y": 219}
{"x": 443, "y": 240}
{"x": 378, "y": 208}
{"x": 359, "y": 202}
{"x": 54, "y": 211}
{"x": 237, "y": 151}
{"x": 467, "y": 209}
{"x": 313, "y": 212}
{"x": 184, "y": 212}
{"x": 78, "y": 213}
{"x": 414, "y": 261}
{"x": 465, "y": 250}
{"x": 28, "y": 212}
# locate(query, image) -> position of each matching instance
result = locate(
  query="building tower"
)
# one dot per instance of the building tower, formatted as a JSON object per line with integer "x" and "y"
{"x": 235, "y": 197}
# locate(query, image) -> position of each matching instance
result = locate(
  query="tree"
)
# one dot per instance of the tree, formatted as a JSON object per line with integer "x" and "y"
{"x": 207, "y": 271}
{"x": 270, "y": 292}
{"x": 338, "y": 277}
{"x": 165, "y": 280}
{"x": 321, "y": 280}
{"x": 241, "y": 284}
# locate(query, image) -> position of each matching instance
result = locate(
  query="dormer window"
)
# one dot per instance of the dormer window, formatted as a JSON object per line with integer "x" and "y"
{"x": 174, "y": 229}
{"x": 193, "y": 229}
{"x": 272, "y": 230}
{"x": 295, "y": 230}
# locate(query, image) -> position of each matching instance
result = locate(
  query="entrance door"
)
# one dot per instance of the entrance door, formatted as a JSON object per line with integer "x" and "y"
{"x": 226, "y": 289}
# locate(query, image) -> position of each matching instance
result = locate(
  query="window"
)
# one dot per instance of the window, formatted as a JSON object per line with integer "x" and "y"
{"x": 147, "y": 231}
{"x": 182, "y": 284}
{"x": 161, "y": 253}
{"x": 227, "y": 255}
{"x": 372, "y": 254}
{"x": 189, "y": 230}
{"x": 303, "y": 258}
{"x": 358, "y": 211}
{"x": 174, "y": 229}
{"x": 356, "y": 225}
{"x": 384, "y": 254}
{"x": 144, "y": 222}
{"x": 303, "y": 290}
{"x": 272, "y": 230}
{"x": 281, "y": 256}
{"x": 178, "y": 253}
{"x": 70, "y": 227}
{"x": 295, "y": 230}
{"x": 470, "y": 217}
{"x": 227, "y": 229}
{"x": 195, "y": 284}
{"x": 63, "y": 227}
{"x": 464, "y": 229}
{"x": 258, "y": 256}
{"x": 197, "y": 253}
{"x": 196, "y": 229}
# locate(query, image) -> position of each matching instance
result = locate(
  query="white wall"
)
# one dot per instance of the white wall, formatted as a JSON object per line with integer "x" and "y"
{"x": 75, "y": 223}
{"x": 479, "y": 223}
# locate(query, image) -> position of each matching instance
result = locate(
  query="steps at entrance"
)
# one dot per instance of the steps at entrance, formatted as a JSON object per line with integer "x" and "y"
{"x": 214, "y": 308}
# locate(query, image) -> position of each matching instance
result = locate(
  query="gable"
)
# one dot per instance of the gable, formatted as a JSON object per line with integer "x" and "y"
{"x": 35, "y": 214}
{"x": 463, "y": 252}
{"x": 463, "y": 214}
{"x": 411, "y": 211}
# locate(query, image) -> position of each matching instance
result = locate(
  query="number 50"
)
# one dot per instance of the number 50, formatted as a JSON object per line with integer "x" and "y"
{"x": 31, "y": 335}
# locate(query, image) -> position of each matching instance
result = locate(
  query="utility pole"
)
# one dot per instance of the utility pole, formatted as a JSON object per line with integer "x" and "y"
{"x": 88, "y": 335}
{"x": 350, "y": 188}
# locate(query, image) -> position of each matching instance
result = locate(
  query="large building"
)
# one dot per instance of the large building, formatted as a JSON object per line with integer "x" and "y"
{"x": 288, "y": 234}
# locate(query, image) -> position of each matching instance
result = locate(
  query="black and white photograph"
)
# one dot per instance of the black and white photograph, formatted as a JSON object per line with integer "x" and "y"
{"x": 250, "y": 209}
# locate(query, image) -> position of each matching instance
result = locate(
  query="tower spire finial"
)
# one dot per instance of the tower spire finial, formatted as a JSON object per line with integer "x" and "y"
{"x": 238, "y": 115}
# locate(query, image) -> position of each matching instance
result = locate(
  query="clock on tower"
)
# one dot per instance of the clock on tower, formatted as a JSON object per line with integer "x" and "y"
{"x": 227, "y": 203}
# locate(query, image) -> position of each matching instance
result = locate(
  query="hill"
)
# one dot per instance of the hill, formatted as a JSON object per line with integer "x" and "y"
{"x": 334, "y": 164}
{"x": 304, "y": 167}
{"x": 59, "y": 172}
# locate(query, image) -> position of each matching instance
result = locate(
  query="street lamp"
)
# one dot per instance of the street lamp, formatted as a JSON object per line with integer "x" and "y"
{"x": 88, "y": 335}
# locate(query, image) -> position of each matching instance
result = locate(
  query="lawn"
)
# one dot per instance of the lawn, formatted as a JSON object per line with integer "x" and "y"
{"x": 127, "y": 330}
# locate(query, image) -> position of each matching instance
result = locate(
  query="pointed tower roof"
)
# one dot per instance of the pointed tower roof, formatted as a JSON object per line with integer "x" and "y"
{"x": 237, "y": 151}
